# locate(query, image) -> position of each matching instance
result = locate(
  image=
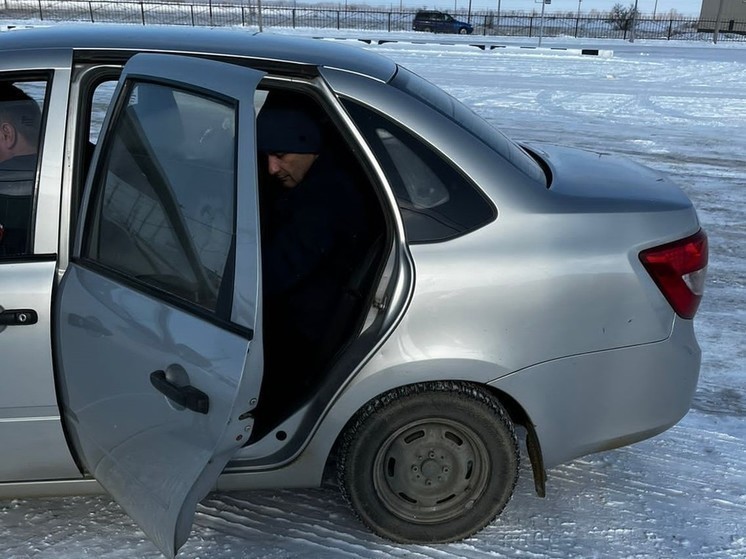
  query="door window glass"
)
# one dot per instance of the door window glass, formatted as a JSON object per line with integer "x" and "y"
{"x": 165, "y": 194}
{"x": 100, "y": 100}
{"x": 21, "y": 110}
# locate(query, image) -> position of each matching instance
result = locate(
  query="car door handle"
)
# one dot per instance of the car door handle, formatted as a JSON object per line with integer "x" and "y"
{"x": 18, "y": 317}
{"x": 186, "y": 396}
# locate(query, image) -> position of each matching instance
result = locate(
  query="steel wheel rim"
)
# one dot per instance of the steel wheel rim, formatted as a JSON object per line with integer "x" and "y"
{"x": 431, "y": 470}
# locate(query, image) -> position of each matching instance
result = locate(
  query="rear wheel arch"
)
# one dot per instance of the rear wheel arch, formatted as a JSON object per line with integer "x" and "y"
{"x": 514, "y": 409}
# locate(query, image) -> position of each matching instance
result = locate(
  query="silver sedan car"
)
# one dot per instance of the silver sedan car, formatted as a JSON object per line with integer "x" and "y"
{"x": 500, "y": 289}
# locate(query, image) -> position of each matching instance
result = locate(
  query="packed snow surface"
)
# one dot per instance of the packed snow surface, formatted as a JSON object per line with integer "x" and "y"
{"x": 677, "y": 107}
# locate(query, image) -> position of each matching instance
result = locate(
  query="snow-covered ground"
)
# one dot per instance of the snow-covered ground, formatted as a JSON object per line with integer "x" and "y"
{"x": 680, "y": 108}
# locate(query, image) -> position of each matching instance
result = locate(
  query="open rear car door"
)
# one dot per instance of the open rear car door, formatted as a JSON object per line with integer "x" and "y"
{"x": 158, "y": 359}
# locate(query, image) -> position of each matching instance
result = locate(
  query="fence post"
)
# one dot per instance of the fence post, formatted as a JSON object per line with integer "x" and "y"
{"x": 41, "y": 15}
{"x": 191, "y": 13}
{"x": 718, "y": 21}
{"x": 243, "y": 16}
{"x": 577, "y": 24}
{"x": 388, "y": 25}
{"x": 90, "y": 10}
{"x": 338, "y": 19}
{"x": 293, "y": 12}
{"x": 142, "y": 12}
{"x": 530, "y": 26}
{"x": 670, "y": 29}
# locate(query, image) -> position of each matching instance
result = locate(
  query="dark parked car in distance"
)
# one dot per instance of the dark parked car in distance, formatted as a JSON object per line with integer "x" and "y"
{"x": 440, "y": 22}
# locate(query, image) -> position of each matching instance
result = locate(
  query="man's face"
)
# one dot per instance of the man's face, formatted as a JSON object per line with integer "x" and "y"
{"x": 290, "y": 168}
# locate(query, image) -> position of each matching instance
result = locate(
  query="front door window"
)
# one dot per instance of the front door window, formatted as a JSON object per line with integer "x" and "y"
{"x": 21, "y": 110}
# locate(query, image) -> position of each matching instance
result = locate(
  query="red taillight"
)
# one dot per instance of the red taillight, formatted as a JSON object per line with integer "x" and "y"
{"x": 679, "y": 269}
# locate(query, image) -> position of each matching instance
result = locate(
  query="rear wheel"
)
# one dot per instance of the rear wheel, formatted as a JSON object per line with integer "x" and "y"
{"x": 463, "y": 31}
{"x": 429, "y": 463}
{"x": 428, "y": 29}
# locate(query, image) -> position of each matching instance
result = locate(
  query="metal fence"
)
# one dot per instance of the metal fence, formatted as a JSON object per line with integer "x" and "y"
{"x": 248, "y": 13}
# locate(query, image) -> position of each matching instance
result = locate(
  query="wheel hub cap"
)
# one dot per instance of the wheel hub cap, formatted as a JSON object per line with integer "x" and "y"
{"x": 431, "y": 470}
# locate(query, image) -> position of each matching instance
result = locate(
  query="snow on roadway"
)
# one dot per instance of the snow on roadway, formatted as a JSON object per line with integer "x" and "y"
{"x": 678, "y": 107}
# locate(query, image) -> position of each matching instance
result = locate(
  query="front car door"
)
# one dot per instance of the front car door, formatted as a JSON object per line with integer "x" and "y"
{"x": 32, "y": 113}
{"x": 157, "y": 358}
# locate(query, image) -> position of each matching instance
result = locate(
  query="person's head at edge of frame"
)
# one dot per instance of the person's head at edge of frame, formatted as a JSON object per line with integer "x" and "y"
{"x": 291, "y": 139}
{"x": 20, "y": 122}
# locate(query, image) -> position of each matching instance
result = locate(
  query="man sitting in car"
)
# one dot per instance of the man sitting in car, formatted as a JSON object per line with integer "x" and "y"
{"x": 20, "y": 119}
{"x": 314, "y": 221}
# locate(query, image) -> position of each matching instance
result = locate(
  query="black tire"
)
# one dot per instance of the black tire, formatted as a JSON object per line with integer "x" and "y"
{"x": 463, "y": 31}
{"x": 427, "y": 30}
{"x": 429, "y": 463}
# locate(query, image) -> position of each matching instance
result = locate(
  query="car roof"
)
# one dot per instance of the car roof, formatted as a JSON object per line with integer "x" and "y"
{"x": 200, "y": 40}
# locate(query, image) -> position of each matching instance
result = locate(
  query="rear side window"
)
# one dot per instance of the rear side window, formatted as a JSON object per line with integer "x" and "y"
{"x": 163, "y": 215}
{"x": 435, "y": 200}
{"x": 448, "y": 106}
{"x": 22, "y": 104}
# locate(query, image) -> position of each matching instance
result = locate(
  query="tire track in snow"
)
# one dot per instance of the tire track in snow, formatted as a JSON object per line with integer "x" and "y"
{"x": 719, "y": 400}
{"x": 310, "y": 516}
{"x": 688, "y": 485}
{"x": 710, "y": 463}
{"x": 74, "y": 527}
{"x": 282, "y": 515}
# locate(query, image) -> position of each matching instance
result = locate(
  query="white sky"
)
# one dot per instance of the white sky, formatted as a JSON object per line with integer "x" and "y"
{"x": 684, "y": 7}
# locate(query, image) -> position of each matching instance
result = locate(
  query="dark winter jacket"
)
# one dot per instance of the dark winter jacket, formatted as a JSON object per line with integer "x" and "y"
{"x": 311, "y": 236}
{"x": 17, "y": 178}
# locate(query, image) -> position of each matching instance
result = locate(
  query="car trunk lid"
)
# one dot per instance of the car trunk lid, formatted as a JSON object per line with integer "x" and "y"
{"x": 593, "y": 174}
